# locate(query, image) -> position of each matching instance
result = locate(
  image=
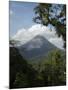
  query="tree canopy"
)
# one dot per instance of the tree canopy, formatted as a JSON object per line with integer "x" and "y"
{"x": 52, "y": 14}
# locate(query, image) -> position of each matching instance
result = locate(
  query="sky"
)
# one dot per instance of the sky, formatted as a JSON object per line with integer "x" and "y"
{"x": 23, "y": 28}
{"x": 20, "y": 15}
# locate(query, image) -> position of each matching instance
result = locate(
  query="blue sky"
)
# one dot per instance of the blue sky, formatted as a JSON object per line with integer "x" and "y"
{"x": 21, "y": 14}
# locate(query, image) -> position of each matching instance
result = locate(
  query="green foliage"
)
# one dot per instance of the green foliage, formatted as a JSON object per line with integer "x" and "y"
{"x": 20, "y": 71}
{"x": 54, "y": 71}
{"x": 49, "y": 72}
{"x": 21, "y": 80}
{"x": 53, "y": 14}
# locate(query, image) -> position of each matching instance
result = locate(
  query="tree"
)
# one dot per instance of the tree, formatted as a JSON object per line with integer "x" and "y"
{"x": 14, "y": 42}
{"x": 52, "y": 14}
{"x": 54, "y": 70}
{"x": 22, "y": 74}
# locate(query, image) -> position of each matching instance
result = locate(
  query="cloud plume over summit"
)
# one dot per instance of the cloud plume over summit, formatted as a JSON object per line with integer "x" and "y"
{"x": 24, "y": 35}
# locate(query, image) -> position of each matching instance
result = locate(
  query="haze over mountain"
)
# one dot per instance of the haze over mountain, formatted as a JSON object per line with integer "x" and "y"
{"x": 25, "y": 36}
{"x": 37, "y": 47}
{"x": 37, "y": 41}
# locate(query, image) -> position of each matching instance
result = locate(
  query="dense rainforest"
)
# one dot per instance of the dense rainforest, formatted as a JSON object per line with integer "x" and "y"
{"x": 50, "y": 72}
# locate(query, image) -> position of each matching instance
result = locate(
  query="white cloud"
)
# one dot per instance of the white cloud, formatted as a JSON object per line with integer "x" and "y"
{"x": 24, "y": 35}
{"x": 57, "y": 41}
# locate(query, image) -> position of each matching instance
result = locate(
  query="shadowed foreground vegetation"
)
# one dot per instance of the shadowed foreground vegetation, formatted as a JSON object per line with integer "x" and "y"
{"x": 50, "y": 72}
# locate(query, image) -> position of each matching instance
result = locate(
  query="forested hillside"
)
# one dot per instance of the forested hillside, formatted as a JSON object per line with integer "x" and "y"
{"x": 50, "y": 72}
{"x": 21, "y": 73}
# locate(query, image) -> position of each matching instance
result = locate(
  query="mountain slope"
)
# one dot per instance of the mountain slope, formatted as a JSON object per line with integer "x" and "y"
{"x": 21, "y": 73}
{"x": 37, "y": 47}
{"x": 25, "y": 35}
